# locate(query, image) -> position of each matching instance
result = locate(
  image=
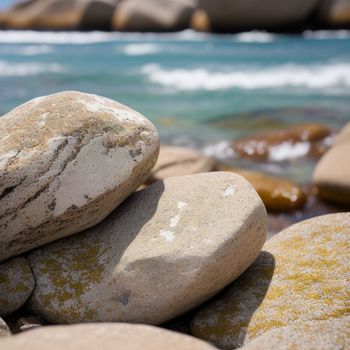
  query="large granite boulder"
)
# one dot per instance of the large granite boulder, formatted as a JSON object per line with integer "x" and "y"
{"x": 153, "y": 15}
{"x": 165, "y": 250}
{"x": 301, "y": 275}
{"x": 66, "y": 161}
{"x": 106, "y": 336}
{"x": 16, "y": 284}
{"x": 237, "y": 15}
{"x": 59, "y": 14}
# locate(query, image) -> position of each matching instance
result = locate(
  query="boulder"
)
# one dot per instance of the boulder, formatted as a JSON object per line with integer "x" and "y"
{"x": 332, "y": 173}
{"x": 278, "y": 194}
{"x": 59, "y": 14}
{"x": 333, "y": 14}
{"x": 238, "y": 15}
{"x": 4, "y": 329}
{"x": 16, "y": 284}
{"x": 309, "y": 335}
{"x": 179, "y": 161}
{"x": 281, "y": 144}
{"x": 153, "y": 15}
{"x": 66, "y": 161}
{"x": 301, "y": 275}
{"x": 107, "y": 336}
{"x": 165, "y": 250}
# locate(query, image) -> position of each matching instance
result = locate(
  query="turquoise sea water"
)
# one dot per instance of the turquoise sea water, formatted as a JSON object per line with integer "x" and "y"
{"x": 198, "y": 89}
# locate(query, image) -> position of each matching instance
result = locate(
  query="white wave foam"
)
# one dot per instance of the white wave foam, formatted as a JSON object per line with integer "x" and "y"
{"x": 287, "y": 150}
{"x": 28, "y": 50}
{"x": 140, "y": 49}
{"x": 255, "y": 37}
{"x": 8, "y": 69}
{"x": 313, "y": 77}
{"x": 326, "y": 34}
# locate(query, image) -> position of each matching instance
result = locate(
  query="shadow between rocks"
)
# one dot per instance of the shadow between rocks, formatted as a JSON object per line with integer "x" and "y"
{"x": 236, "y": 303}
{"x": 97, "y": 16}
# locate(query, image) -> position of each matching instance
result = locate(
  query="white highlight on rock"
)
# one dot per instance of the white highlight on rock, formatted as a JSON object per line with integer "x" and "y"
{"x": 229, "y": 191}
{"x": 42, "y": 120}
{"x": 168, "y": 235}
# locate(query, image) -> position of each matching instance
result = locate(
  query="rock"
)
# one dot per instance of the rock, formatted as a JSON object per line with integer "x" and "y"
{"x": 66, "y": 161}
{"x": 301, "y": 275}
{"x": 343, "y": 136}
{"x": 239, "y": 15}
{"x": 59, "y": 14}
{"x": 153, "y": 15}
{"x": 165, "y": 250}
{"x": 16, "y": 284}
{"x": 276, "y": 145}
{"x": 309, "y": 335}
{"x": 334, "y": 14}
{"x": 27, "y": 323}
{"x": 4, "y": 329}
{"x": 107, "y": 336}
{"x": 278, "y": 194}
{"x": 332, "y": 173}
{"x": 179, "y": 161}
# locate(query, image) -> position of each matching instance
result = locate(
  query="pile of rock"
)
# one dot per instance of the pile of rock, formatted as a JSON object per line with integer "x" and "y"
{"x": 172, "y": 15}
{"x": 99, "y": 249}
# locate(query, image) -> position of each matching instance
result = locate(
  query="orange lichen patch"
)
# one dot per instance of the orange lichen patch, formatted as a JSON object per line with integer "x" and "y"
{"x": 16, "y": 284}
{"x": 310, "y": 281}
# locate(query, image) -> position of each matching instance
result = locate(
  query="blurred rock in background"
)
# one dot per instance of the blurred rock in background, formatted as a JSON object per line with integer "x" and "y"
{"x": 173, "y": 15}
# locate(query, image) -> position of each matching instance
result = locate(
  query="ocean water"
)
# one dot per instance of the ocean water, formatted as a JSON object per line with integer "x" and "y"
{"x": 199, "y": 89}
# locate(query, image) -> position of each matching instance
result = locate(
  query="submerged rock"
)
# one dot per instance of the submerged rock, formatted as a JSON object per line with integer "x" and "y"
{"x": 66, "y": 161}
{"x": 301, "y": 275}
{"x": 281, "y": 144}
{"x": 107, "y": 336}
{"x": 332, "y": 173}
{"x": 165, "y": 250}
{"x": 308, "y": 335}
{"x": 16, "y": 284}
{"x": 4, "y": 329}
{"x": 179, "y": 161}
{"x": 278, "y": 194}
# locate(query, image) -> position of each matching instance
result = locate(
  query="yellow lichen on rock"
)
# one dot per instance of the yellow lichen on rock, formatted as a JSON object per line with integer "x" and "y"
{"x": 16, "y": 284}
{"x": 303, "y": 274}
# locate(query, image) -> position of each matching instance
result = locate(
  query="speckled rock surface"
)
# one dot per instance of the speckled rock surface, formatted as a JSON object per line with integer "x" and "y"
{"x": 107, "y": 336}
{"x": 166, "y": 249}
{"x": 4, "y": 329}
{"x": 66, "y": 161}
{"x": 309, "y": 335}
{"x": 179, "y": 161}
{"x": 302, "y": 274}
{"x": 16, "y": 284}
{"x": 332, "y": 174}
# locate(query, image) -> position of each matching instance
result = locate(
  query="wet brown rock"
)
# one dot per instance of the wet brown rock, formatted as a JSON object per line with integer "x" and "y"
{"x": 66, "y": 161}
{"x": 107, "y": 336}
{"x": 165, "y": 250}
{"x": 16, "y": 284}
{"x": 153, "y": 15}
{"x": 309, "y": 335}
{"x": 179, "y": 161}
{"x": 237, "y": 15}
{"x": 270, "y": 145}
{"x": 301, "y": 275}
{"x": 278, "y": 194}
{"x": 334, "y": 14}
